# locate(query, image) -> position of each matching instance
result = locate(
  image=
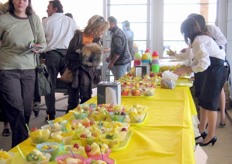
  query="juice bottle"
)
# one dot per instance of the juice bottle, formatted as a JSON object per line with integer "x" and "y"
{"x": 137, "y": 59}
{"x": 155, "y": 62}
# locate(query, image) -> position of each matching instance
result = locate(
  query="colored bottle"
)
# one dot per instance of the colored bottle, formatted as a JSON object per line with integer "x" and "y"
{"x": 145, "y": 59}
{"x": 148, "y": 52}
{"x": 146, "y": 62}
{"x": 137, "y": 59}
{"x": 155, "y": 62}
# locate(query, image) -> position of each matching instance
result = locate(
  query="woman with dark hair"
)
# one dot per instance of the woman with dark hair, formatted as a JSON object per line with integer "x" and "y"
{"x": 208, "y": 59}
{"x": 6, "y": 130}
{"x": 17, "y": 65}
{"x": 81, "y": 87}
{"x": 221, "y": 41}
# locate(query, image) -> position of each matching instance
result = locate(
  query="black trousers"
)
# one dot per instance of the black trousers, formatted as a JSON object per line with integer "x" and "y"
{"x": 17, "y": 92}
{"x": 55, "y": 62}
{"x": 82, "y": 89}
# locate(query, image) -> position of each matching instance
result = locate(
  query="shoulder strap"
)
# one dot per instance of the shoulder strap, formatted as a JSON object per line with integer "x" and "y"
{"x": 32, "y": 27}
{"x": 35, "y": 38}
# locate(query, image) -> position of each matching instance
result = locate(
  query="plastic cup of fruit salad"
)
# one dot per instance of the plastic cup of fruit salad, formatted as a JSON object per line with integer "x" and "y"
{"x": 49, "y": 147}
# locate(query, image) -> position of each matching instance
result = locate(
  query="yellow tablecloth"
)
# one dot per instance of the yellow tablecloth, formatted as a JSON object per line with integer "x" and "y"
{"x": 166, "y": 136}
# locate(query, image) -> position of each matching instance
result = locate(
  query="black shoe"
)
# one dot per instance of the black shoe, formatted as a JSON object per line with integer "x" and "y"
{"x": 36, "y": 112}
{"x": 222, "y": 124}
{"x": 213, "y": 141}
{"x": 37, "y": 103}
{"x": 203, "y": 135}
{"x": 49, "y": 117}
{"x": 196, "y": 138}
{"x": 6, "y": 132}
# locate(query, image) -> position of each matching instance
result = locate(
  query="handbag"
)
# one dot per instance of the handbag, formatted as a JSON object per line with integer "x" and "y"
{"x": 43, "y": 83}
{"x": 67, "y": 76}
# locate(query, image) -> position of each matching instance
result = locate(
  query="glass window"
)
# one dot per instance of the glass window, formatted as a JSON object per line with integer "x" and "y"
{"x": 81, "y": 12}
{"x": 176, "y": 11}
{"x": 136, "y": 13}
{"x": 133, "y": 13}
{"x": 126, "y": 2}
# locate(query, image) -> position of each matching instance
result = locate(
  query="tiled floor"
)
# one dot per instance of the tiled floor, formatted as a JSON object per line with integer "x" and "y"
{"x": 220, "y": 153}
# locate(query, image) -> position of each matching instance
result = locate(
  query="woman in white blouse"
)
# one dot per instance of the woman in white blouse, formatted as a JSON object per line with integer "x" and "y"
{"x": 186, "y": 54}
{"x": 208, "y": 61}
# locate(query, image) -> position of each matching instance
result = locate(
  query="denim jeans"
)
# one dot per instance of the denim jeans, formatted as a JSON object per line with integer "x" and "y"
{"x": 119, "y": 70}
{"x": 17, "y": 92}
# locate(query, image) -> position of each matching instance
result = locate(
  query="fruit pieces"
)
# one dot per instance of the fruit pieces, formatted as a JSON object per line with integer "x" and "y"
{"x": 87, "y": 140}
{"x": 136, "y": 92}
{"x": 67, "y": 137}
{"x": 136, "y": 113}
{"x": 37, "y": 156}
{"x": 39, "y": 136}
{"x": 97, "y": 151}
{"x": 49, "y": 147}
{"x": 76, "y": 146}
{"x": 34, "y": 129}
{"x": 117, "y": 116}
{"x": 100, "y": 161}
{"x": 69, "y": 159}
{"x": 87, "y": 148}
{"x": 76, "y": 149}
{"x": 112, "y": 140}
{"x": 125, "y": 92}
{"x": 4, "y": 155}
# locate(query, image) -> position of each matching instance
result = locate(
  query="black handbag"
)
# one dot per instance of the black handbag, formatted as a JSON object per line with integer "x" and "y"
{"x": 43, "y": 83}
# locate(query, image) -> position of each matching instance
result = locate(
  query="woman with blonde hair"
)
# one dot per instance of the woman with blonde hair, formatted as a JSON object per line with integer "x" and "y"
{"x": 81, "y": 86}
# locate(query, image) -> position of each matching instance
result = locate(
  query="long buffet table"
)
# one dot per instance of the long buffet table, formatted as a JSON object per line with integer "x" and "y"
{"x": 165, "y": 136}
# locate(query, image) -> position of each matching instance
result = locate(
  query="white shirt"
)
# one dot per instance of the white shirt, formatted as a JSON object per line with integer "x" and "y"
{"x": 59, "y": 30}
{"x": 204, "y": 47}
{"x": 217, "y": 35}
{"x": 187, "y": 55}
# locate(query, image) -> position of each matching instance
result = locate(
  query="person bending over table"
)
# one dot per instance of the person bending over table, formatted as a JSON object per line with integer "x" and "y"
{"x": 208, "y": 59}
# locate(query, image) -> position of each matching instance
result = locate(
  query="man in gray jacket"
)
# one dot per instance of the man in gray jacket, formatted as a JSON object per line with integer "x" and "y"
{"x": 120, "y": 57}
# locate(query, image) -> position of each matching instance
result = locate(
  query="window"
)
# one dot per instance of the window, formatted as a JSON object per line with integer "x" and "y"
{"x": 136, "y": 13}
{"x": 81, "y": 11}
{"x": 176, "y": 11}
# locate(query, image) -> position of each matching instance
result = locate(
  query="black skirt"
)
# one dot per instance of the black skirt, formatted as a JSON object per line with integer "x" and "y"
{"x": 212, "y": 82}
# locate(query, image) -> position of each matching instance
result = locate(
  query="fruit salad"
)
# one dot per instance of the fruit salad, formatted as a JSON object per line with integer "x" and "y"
{"x": 70, "y": 159}
{"x": 97, "y": 151}
{"x": 39, "y": 136}
{"x": 37, "y": 157}
{"x": 5, "y": 157}
{"x": 49, "y": 147}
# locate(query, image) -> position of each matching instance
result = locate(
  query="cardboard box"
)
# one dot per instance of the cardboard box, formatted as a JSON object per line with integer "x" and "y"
{"x": 109, "y": 93}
